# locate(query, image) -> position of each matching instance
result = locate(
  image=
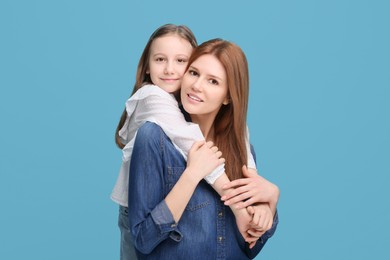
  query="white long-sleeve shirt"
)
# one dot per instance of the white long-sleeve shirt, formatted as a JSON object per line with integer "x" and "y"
{"x": 153, "y": 104}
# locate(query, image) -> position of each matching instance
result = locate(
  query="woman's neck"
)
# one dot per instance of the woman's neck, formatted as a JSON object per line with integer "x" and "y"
{"x": 206, "y": 125}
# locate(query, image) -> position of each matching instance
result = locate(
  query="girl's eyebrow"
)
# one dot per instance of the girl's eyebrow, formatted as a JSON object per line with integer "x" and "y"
{"x": 182, "y": 55}
{"x": 158, "y": 53}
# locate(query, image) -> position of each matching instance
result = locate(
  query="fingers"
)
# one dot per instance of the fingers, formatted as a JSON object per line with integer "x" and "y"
{"x": 221, "y": 160}
{"x": 255, "y": 233}
{"x": 252, "y": 244}
{"x": 262, "y": 219}
{"x": 241, "y": 197}
{"x": 247, "y": 203}
{"x": 197, "y": 145}
{"x": 214, "y": 149}
{"x": 250, "y": 210}
{"x": 249, "y": 172}
{"x": 251, "y": 238}
{"x": 235, "y": 183}
{"x": 209, "y": 144}
{"x": 240, "y": 205}
{"x": 241, "y": 189}
{"x": 245, "y": 171}
{"x": 256, "y": 217}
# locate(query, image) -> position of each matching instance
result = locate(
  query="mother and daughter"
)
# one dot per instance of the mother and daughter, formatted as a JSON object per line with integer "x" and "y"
{"x": 185, "y": 155}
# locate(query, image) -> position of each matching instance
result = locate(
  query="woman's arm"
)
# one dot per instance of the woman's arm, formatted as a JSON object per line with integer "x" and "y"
{"x": 250, "y": 190}
{"x": 153, "y": 216}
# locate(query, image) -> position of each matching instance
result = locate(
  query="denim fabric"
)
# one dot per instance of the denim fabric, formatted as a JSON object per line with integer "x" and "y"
{"x": 207, "y": 228}
{"x": 127, "y": 251}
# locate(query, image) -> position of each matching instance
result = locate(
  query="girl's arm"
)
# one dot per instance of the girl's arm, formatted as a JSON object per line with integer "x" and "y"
{"x": 204, "y": 157}
{"x": 150, "y": 103}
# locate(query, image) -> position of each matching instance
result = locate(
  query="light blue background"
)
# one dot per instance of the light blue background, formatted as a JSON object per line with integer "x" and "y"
{"x": 318, "y": 115}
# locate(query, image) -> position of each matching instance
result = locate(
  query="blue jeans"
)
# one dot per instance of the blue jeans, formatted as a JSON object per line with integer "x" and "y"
{"x": 127, "y": 249}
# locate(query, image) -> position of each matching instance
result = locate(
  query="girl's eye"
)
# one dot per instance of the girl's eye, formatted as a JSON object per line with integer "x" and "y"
{"x": 159, "y": 59}
{"x": 181, "y": 60}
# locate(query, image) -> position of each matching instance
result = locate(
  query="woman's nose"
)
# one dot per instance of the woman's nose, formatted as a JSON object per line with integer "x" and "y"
{"x": 196, "y": 85}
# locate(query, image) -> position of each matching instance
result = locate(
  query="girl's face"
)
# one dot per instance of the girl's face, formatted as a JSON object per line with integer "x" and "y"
{"x": 168, "y": 60}
{"x": 204, "y": 88}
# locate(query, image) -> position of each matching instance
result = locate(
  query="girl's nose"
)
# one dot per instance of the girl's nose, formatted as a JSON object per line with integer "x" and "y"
{"x": 168, "y": 68}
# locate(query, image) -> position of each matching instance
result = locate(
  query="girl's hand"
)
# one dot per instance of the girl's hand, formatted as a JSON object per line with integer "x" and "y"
{"x": 243, "y": 221}
{"x": 262, "y": 219}
{"x": 203, "y": 158}
{"x": 251, "y": 190}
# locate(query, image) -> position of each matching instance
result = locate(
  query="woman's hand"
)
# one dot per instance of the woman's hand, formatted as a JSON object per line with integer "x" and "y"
{"x": 203, "y": 158}
{"x": 251, "y": 190}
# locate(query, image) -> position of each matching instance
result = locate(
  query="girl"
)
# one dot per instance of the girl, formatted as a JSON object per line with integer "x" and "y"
{"x": 162, "y": 63}
{"x": 172, "y": 214}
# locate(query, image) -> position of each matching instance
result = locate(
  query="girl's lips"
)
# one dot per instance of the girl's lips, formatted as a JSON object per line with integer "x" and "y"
{"x": 194, "y": 97}
{"x": 169, "y": 80}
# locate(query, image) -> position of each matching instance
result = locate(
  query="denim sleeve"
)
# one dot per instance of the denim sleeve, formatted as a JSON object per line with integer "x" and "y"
{"x": 263, "y": 239}
{"x": 151, "y": 222}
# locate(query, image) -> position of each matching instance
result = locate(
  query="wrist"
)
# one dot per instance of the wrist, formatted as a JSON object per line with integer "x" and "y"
{"x": 274, "y": 200}
{"x": 191, "y": 177}
{"x": 238, "y": 211}
{"x": 275, "y": 197}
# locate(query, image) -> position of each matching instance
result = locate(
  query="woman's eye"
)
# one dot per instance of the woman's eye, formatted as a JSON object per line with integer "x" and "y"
{"x": 159, "y": 59}
{"x": 193, "y": 72}
{"x": 213, "y": 81}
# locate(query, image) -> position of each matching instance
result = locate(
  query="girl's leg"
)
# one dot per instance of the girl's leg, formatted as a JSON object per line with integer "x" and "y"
{"x": 127, "y": 249}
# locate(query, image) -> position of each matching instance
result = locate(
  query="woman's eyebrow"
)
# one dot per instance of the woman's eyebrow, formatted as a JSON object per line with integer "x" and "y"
{"x": 209, "y": 75}
{"x": 213, "y": 76}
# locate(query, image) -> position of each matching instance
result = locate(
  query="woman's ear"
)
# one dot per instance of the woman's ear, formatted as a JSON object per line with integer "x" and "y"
{"x": 226, "y": 101}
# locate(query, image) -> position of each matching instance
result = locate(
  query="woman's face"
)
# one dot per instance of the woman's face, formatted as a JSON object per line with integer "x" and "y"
{"x": 204, "y": 88}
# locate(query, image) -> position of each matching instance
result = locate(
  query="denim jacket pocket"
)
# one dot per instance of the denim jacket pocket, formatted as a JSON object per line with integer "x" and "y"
{"x": 198, "y": 199}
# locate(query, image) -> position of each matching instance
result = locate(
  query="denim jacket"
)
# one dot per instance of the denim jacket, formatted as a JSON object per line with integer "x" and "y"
{"x": 207, "y": 228}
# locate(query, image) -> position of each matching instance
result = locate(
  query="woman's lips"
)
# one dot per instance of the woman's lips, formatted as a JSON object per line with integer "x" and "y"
{"x": 194, "y": 97}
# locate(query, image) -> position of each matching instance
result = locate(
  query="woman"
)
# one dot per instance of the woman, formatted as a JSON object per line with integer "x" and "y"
{"x": 173, "y": 214}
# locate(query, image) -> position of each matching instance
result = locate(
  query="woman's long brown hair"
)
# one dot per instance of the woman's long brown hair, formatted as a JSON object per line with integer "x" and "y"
{"x": 142, "y": 77}
{"x": 230, "y": 122}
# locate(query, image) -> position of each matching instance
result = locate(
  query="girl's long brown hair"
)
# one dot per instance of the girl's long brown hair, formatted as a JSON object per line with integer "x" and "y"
{"x": 142, "y": 77}
{"x": 230, "y": 122}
